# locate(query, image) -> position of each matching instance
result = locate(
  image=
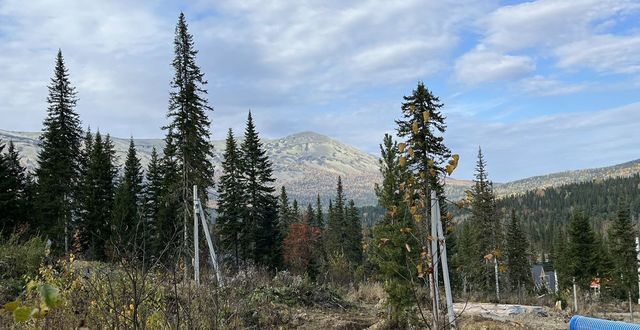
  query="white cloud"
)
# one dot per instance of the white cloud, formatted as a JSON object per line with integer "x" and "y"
{"x": 481, "y": 66}
{"x": 546, "y": 144}
{"x": 334, "y": 46}
{"x": 549, "y": 22}
{"x": 540, "y": 85}
{"x": 603, "y": 53}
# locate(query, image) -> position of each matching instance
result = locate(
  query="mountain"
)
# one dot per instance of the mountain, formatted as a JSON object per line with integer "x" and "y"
{"x": 306, "y": 163}
{"x": 568, "y": 177}
{"x": 309, "y": 163}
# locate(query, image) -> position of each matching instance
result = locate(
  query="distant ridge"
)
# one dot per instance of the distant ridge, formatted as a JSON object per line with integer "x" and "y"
{"x": 309, "y": 163}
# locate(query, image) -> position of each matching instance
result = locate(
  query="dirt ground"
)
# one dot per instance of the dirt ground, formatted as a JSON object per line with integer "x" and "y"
{"x": 475, "y": 316}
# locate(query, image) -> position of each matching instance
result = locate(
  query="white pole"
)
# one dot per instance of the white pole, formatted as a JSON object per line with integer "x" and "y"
{"x": 432, "y": 290}
{"x": 445, "y": 269}
{"x": 575, "y": 296}
{"x": 638, "y": 258}
{"x": 495, "y": 270}
{"x": 212, "y": 252}
{"x": 435, "y": 219}
{"x": 196, "y": 250}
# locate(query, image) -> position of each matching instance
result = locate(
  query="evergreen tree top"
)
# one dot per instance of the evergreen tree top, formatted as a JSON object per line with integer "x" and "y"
{"x": 133, "y": 173}
{"x": 255, "y": 159}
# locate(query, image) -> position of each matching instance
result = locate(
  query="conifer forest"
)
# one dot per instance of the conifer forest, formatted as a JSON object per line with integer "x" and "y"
{"x": 183, "y": 234}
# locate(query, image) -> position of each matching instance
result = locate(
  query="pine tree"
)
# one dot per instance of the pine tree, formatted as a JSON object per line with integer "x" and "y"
{"x": 169, "y": 222}
{"x": 319, "y": 217}
{"x": 58, "y": 159}
{"x": 337, "y": 228}
{"x": 389, "y": 255}
{"x": 465, "y": 260}
{"x": 189, "y": 126}
{"x": 85, "y": 186}
{"x": 622, "y": 252}
{"x": 98, "y": 204}
{"x": 127, "y": 220}
{"x": 285, "y": 214}
{"x": 14, "y": 192}
{"x": 582, "y": 253}
{"x": 230, "y": 202}
{"x": 309, "y": 215}
{"x": 559, "y": 259}
{"x": 295, "y": 211}
{"x": 423, "y": 128}
{"x": 486, "y": 226}
{"x": 519, "y": 269}
{"x": 152, "y": 201}
{"x": 263, "y": 238}
{"x": 354, "y": 234}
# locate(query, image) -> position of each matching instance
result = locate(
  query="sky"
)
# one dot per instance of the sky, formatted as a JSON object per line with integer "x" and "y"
{"x": 541, "y": 86}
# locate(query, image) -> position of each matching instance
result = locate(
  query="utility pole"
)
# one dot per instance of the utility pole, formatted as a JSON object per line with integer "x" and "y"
{"x": 638, "y": 260}
{"x": 495, "y": 271}
{"x": 443, "y": 258}
{"x": 199, "y": 212}
{"x": 432, "y": 251}
{"x": 196, "y": 248}
{"x": 575, "y": 296}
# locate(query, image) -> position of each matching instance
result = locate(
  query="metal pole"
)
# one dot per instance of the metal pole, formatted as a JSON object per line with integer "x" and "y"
{"x": 435, "y": 219}
{"x": 432, "y": 291}
{"x": 630, "y": 306}
{"x": 575, "y": 296}
{"x": 212, "y": 252}
{"x": 495, "y": 270}
{"x": 445, "y": 270}
{"x": 638, "y": 259}
{"x": 196, "y": 250}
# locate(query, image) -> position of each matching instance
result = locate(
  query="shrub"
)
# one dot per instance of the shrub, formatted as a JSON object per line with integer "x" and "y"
{"x": 19, "y": 260}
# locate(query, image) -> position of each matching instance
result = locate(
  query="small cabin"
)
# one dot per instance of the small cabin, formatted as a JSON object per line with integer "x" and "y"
{"x": 544, "y": 277}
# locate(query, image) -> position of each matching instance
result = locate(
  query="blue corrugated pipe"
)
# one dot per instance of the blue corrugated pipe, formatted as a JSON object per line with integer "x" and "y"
{"x": 587, "y": 323}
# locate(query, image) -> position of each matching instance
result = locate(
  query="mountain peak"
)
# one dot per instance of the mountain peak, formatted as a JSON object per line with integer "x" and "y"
{"x": 308, "y": 136}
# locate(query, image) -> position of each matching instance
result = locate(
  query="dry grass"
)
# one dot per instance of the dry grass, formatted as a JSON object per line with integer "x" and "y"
{"x": 369, "y": 292}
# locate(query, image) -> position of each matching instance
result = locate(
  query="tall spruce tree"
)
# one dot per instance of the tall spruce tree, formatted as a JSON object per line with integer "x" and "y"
{"x": 354, "y": 234}
{"x": 622, "y": 252}
{"x": 285, "y": 213}
{"x": 169, "y": 223}
{"x": 309, "y": 215}
{"x": 129, "y": 228}
{"x": 230, "y": 198}
{"x": 582, "y": 251}
{"x": 422, "y": 127}
{"x": 263, "y": 238}
{"x": 319, "y": 217}
{"x": 100, "y": 177}
{"x": 486, "y": 226}
{"x": 152, "y": 201}
{"x": 559, "y": 257}
{"x": 14, "y": 190}
{"x": 337, "y": 226}
{"x": 465, "y": 260}
{"x": 295, "y": 211}
{"x": 519, "y": 269}
{"x": 189, "y": 126}
{"x": 389, "y": 255}
{"x": 58, "y": 159}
